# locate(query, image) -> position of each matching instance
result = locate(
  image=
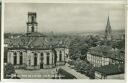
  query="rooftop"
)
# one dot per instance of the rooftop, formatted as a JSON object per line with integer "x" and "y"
{"x": 111, "y": 69}
{"x": 108, "y": 52}
{"x": 36, "y": 40}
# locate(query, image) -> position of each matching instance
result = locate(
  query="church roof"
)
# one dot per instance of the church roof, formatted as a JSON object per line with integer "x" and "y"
{"x": 35, "y": 34}
{"x": 36, "y": 41}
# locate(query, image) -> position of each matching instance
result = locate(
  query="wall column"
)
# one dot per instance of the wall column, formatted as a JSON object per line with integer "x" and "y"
{"x": 9, "y": 57}
{"x": 63, "y": 54}
{"x": 38, "y": 58}
{"x": 27, "y": 58}
{"x": 53, "y": 56}
{"x": 12, "y": 58}
{"x": 32, "y": 59}
{"x": 45, "y": 56}
{"x": 18, "y": 57}
{"x": 24, "y": 57}
{"x": 50, "y": 58}
{"x": 58, "y": 55}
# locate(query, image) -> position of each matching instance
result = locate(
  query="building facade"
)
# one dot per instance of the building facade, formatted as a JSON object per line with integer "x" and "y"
{"x": 102, "y": 55}
{"x": 34, "y": 50}
{"x": 36, "y": 59}
{"x": 99, "y": 57}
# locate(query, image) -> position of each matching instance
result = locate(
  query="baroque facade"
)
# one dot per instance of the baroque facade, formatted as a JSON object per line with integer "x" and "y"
{"x": 34, "y": 50}
{"x": 104, "y": 55}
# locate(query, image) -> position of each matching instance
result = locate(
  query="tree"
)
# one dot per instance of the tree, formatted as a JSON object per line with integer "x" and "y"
{"x": 78, "y": 48}
{"x": 118, "y": 44}
{"x": 85, "y": 68}
{"x": 8, "y": 70}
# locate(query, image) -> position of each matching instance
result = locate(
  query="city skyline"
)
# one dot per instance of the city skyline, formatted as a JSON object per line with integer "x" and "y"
{"x": 64, "y": 17}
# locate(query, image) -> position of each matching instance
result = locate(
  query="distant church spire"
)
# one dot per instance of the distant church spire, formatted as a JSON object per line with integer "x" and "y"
{"x": 108, "y": 31}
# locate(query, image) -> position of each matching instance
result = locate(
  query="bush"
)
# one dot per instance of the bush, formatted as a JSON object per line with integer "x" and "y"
{"x": 8, "y": 70}
{"x": 84, "y": 68}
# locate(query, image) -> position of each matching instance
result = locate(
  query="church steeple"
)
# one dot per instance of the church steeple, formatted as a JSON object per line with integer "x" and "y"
{"x": 108, "y": 31}
{"x": 31, "y": 24}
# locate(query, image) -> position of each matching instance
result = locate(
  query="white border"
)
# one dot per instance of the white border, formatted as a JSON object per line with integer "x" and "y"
{"x": 2, "y": 38}
{"x": 66, "y": 1}
{"x": 56, "y": 1}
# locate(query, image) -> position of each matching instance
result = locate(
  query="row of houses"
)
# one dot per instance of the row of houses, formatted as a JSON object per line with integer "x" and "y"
{"x": 107, "y": 61}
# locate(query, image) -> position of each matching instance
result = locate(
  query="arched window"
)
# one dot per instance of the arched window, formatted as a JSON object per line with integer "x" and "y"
{"x": 35, "y": 59}
{"x": 42, "y": 54}
{"x": 15, "y": 58}
{"x": 60, "y": 57}
{"x": 29, "y": 62}
{"x": 47, "y": 60}
{"x": 55, "y": 58}
{"x": 21, "y": 58}
{"x": 41, "y": 57}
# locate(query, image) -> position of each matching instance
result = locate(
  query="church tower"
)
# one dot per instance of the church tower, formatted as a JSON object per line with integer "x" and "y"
{"x": 108, "y": 31}
{"x": 32, "y": 23}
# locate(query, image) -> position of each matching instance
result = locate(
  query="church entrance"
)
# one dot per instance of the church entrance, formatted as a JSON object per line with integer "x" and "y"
{"x": 41, "y": 65}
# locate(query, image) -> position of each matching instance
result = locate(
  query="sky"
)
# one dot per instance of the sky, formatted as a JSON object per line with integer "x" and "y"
{"x": 64, "y": 17}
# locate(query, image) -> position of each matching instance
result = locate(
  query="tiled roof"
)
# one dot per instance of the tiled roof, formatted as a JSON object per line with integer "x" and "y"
{"x": 102, "y": 48}
{"x": 111, "y": 69}
{"x": 36, "y": 40}
{"x": 106, "y": 51}
{"x": 103, "y": 51}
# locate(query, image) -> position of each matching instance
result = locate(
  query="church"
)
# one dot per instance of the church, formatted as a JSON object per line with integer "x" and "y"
{"x": 103, "y": 55}
{"x": 34, "y": 50}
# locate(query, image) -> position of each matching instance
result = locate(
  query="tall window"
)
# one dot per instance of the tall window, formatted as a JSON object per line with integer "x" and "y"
{"x": 29, "y": 62}
{"x": 42, "y": 54}
{"x": 60, "y": 58}
{"x": 47, "y": 60}
{"x": 55, "y": 58}
{"x": 35, "y": 59}
{"x": 32, "y": 18}
{"x": 21, "y": 58}
{"x": 15, "y": 58}
{"x": 41, "y": 57}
